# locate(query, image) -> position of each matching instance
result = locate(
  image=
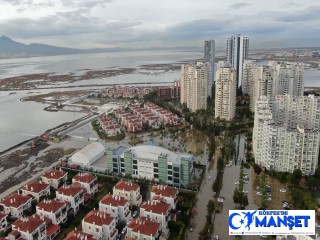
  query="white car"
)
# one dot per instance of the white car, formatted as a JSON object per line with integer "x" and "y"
{"x": 209, "y": 177}
{"x": 269, "y": 199}
{"x": 283, "y": 190}
{"x": 236, "y": 183}
{"x": 259, "y": 193}
{"x": 258, "y": 188}
{"x": 245, "y": 191}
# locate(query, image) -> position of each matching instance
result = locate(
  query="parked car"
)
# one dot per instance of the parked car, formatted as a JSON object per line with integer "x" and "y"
{"x": 258, "y": 188}
{"x": 259, "y": 193}
{"x": 245, "y": 191}
{"x": 283, "y": 190}
{"x": 236, "y": 183}
{"x": 135, "y": 213}
{"x": 216, "y": 237}
{"x": 124, "y": 230}
{"x": 191, "y": 228}
{"x": 209, "y": 177}
{"x": 269, "y": 199}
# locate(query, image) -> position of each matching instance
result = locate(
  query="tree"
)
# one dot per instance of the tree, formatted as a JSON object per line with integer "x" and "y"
{"x": 296, "y": 177}
{"x": 257, "y": 169}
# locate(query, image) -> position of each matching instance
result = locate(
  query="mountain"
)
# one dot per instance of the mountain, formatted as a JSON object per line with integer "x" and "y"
{"x": 10, "y": 48}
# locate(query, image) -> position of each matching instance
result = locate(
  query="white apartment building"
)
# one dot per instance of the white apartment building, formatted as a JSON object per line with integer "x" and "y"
{"x": 87, "y": 181}
{"x": 225, "y": 99}
{"x": 17, "y": 205}
{"x": 237, "y": 52}
{"x": 79, "y": 235}
{"x": 55, "y": 178}
{"x": 101, "y": 225}
{"x": 165, "y": 194}
{"x": 53, "y": 209}
{"x": 248, "y": 75}
{"x": 128, "y": 190}
{"x": 117, "y": 205}
{"x": 36, "y": 189}
{"x": 156, "y": 211}
{"x": 286, "y": 133}
{"x": 194, "y": 85}
{"x": 143, "y": 228}
{"x": 289, "y": 78}
{"x": 73, "y": 194}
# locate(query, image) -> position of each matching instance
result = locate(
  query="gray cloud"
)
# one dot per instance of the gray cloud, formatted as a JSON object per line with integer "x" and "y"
{"x": 23, "y": 5}
{"x": 239, "y": 5}
{"x": 307, "y": 14}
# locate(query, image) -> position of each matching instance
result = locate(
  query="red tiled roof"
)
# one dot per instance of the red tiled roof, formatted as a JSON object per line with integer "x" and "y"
{"x": 29, "y": 224}
{"x": 52, "y": 229}
{"x": 2, "y": 216}
{"x": 155, "y": 207}
{"x": 164, "y": 191}
{"x": 114, "y": 201}
{"x": 100, "y": 218}
{"x": 127, "y": 186}
{"x": 51, "y": 205}
{"x": 71, "y": 190}
{"x": 144, "y": 226}
{"x": 84, "y": 178}
{"x": 36, "y": 187}
{"x": 54, "y": 174}
{"x": 15, "y": 200}
{"x": 78, "y": 235}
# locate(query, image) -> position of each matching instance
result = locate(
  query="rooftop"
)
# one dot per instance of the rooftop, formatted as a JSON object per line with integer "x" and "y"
{"x": 127, "y": 186}
{"x": 15, "y": 200}
{"x": 155, "y": 207}
{"x": 51, "y": 205}
{"x": 71, "y": 190}
{"x": 36, "y": 187}
{"x": 144, "y": 226}
{"x": 99, "y": 218}
{"x": 114, "y": 201}
{"x": 54, "y": 174}
{"x": 84, "y": 178}
{"x": 78, "y": 235}
{"x": 29, "y": 224}
{"x": 165, "y": 191}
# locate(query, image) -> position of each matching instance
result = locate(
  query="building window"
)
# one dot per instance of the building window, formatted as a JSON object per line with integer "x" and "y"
{"x": 155, "y": 165}
{"x": 135, "y": 161}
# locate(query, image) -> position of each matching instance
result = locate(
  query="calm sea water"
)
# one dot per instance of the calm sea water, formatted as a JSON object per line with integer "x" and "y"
{"x": 21, "y": 120}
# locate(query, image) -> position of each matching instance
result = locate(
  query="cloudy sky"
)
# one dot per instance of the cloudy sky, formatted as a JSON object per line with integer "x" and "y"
{"x": 152, "y": 23}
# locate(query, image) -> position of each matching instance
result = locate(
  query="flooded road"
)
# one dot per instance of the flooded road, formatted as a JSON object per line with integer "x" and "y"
{"x": 230, "y": 176}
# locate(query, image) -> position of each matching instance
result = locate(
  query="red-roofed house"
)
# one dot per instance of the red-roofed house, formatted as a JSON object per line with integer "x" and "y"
{"x": 166, "y": 194}
{"x": 72, "y": 194}
{"x": 156, "y": 211}
{"x": 115, "y": 205}
{"x": 100, "y": 224}
{"x": 3, "y": 222}
{"x": 55, "y": 177}
{"x": 36, "y": 189}
{"x": 78, "y": 235}
{"x": 16, "y": 205}
{"x": 87, "y": 181}
{"x": 128, "y": 190}
{"x": 53, "y": 209}
{"x": 143, "y": 228}
{"x": 34, "y": 227}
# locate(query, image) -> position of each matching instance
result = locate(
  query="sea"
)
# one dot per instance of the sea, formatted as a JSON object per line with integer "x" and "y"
{"x": 20, "y": 121}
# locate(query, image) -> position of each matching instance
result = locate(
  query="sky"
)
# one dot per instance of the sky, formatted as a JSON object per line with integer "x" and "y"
{"x": 161, "y": 23}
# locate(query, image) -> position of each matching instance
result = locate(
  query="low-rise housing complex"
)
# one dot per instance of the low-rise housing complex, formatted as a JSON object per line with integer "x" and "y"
{"x": 100, "y": 224}
{"x": 125, "y": 91}
{"x": 117, "y": 205}
{"x": 53, "y": 209}
{"x": 3, "y": 222}
{"x": 55, "y": 178}
{"x": 156, "y": 211}
{"x": 129, "y": 121}
{"x": 110, "y": 126}
{"x": 16, "y": 205}
{"x": 36, "y": 189}
{"x": 79, "y": 235}
{"x": 87, "y": 181}
{"x": 169, "y": 92}
{"x": 144, "y": 228}
{"x": 128, "y": 190}
{"x": 165, "y": 194}
{"x": 72, "y": 194}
